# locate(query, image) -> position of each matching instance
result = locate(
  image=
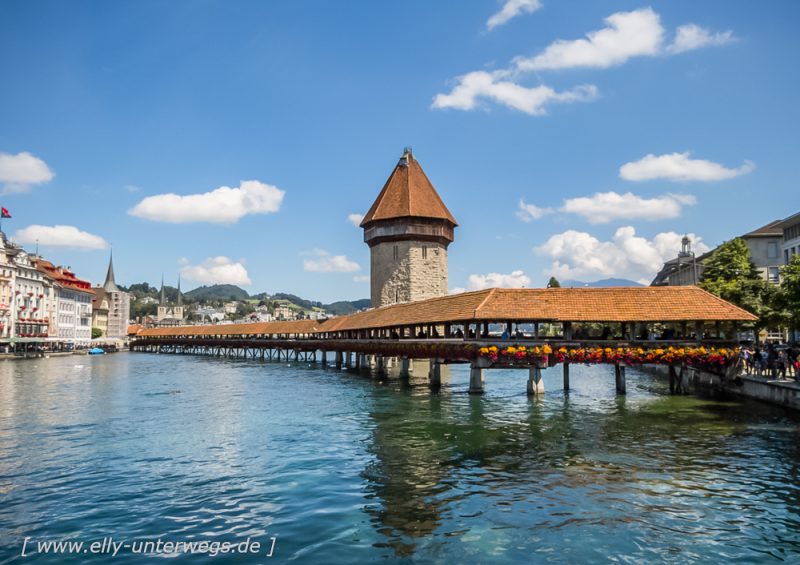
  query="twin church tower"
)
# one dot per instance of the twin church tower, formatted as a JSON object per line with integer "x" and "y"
{"x": 408, "y": 229}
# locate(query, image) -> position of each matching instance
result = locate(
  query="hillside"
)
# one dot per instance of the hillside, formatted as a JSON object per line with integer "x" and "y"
{"x": 217, "y": 292}
{"x": 600, "y": 283}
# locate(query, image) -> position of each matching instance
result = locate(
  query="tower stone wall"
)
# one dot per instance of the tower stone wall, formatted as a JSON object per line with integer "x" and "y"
{"x": 404, "y": 271}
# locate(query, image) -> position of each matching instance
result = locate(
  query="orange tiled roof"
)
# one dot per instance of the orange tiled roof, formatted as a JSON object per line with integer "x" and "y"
{"x": 408, "y": 193}
{"x": 628, "y": 304}
{"x": 134, "y": 329}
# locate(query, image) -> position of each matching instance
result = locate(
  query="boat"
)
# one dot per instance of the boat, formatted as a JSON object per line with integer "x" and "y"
{"x": 96, "y": 351}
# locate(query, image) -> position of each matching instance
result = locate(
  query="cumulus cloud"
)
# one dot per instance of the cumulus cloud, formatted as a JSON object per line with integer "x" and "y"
{"x": 327, "y": 263}
{"x": 217, "y": 270}
{"x": 692, "y": 36}
{"x": 59, "y": 236}
{"x": 529, "y": 212}
{"x": 225, "y": 205}
{"x": 605, "y": 207}
{"x": 18, "y": 173}
{"x": 514, "y": 279}
{"x": 626, "y": 35}
{"x": 680, "y": 167}
{"x": 457, "y": 290}
{"x": 580, "y": 255}
{"x": 355, "y": 219}
{"x": 512, "y": 9}
{"x": 477, "y": 85}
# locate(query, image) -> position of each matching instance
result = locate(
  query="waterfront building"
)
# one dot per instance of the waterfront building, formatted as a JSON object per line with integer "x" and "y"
{"x": 790, "y": 241}
{"x": 169, "y": 315}
{"x": 408, "y": 230}
{"x": 7, "y": 279}
{"x": 283, "y": 312}
{"x": 70, "y": 311}
{"x": 764, "y": 244}
{"x": 111, "y": 307}
{"x": 31, "y": 305}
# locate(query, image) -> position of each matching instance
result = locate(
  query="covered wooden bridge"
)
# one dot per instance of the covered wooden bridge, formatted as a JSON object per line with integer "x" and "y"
{"x": 685, "y": 328}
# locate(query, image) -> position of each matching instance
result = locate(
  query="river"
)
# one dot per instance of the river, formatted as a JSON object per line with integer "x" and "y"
{"x": 321, "y": 466}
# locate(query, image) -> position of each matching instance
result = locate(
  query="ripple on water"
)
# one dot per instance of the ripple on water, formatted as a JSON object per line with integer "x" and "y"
{"x": 344, "y": 469}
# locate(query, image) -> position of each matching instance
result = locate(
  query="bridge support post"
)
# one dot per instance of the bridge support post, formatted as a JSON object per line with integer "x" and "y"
{"x": 338, "y": 360}
{"x": 347, "y": 360}
{"x": 358, "y": 361}
{"x": 673, "y": 380}
{"x": 380, "y": 366}
{"x": 566, "y": 375}
{"x": 435, "y": 375}
{"x": 619, "y": 374}
{"x": 535, "y": 381}
{"x": 404, "y": 366}
{"x": 324, "y": 358}
{"x": 475, "y": 379}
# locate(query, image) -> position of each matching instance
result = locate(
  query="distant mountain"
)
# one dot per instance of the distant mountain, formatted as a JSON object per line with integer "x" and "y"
{"x": 347, "y": 306}
{"x": 600, "y": 284}
{"x": 217, "y": 292}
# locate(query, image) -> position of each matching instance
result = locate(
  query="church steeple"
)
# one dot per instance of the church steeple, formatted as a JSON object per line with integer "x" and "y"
{"x": 180, "y": 298}
{"x": 163, "y": 300}
{"x": 110, "y": 285}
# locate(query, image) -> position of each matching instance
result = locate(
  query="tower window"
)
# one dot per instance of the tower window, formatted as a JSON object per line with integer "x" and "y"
{"x": 396, "y": 253}
{"x": 424, "y": 251}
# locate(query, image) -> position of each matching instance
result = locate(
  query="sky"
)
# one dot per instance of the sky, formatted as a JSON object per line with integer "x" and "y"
{"x": 238, "y": 142}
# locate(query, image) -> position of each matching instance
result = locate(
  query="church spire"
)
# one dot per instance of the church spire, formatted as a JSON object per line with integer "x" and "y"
{"x": 163, "y": 301}
{"x": 180, "y": 298}
{"x": 110, "y": 285}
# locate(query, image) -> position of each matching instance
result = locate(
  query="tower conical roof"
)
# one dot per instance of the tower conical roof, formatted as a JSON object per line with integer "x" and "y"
{"x": 163, "y": 299}
{"x": 408, "y": 193}
{"x": 110, "y": 285}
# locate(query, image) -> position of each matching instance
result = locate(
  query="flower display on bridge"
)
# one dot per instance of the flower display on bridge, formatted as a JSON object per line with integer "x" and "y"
{"x": 691, "y": 356}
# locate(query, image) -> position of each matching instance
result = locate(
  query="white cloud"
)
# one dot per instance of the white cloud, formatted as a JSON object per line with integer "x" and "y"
{"x": 679, "y": 167}
{"x": 457, "y": 290}
{"x": 628, "y": 34}
{"x": 59, "y": 236}
{"x": 225, "y": 205}
{"x": 530, "y": 212}
{"x": 327, "y": 263}
{"x": 21, "y": 171}
{"x": 605, "y": 207}
{"x": 580, "y": 255}
{"x": 355, "y": 219}
{"x": 692, "y": 36}
{"x": 361, "y": 278}
{"x": 515, "y": 279}
{"x": 217, "y": 270}
{"x": 512, "y": 9}
{"x": 481, "y": 84}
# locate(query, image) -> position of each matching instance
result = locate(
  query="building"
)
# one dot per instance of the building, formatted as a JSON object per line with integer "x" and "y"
{"x": 408, "y": 230}
{"x": 790, "y": 242}
{"x": 33, "y": 302}
{"x": 71, "y": 316}
{"x": 283, "y": 312}
{"x": 170, "y": 314}
{"x": 111, "y": 307}
{"x": 764, "y": 244}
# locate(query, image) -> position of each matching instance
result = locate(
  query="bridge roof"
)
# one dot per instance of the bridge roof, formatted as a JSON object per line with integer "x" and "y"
{"x": 628, "y": 304}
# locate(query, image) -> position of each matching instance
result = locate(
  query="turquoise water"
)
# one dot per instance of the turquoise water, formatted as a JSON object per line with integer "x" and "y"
{"x": 339, "y": 468}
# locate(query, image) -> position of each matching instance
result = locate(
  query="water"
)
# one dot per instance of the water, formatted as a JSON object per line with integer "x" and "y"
{"x": 342, "y": 469}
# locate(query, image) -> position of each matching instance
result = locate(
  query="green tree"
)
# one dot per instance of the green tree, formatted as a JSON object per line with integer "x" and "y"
{"x": 553, "y": 283}
{"x": 96, "y": 332}
{"x": 790, "y": 290}
{"x": 730, "y": 274}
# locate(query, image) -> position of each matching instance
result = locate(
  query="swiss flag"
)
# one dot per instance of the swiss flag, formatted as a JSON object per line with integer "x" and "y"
{"x": 4, "y": 213}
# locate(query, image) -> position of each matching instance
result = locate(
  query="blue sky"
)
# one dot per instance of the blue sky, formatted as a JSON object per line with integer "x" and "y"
{"x": 580, "y": 139}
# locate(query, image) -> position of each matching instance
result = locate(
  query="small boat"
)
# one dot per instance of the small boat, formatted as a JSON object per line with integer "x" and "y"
{"x": 96, "y": 351}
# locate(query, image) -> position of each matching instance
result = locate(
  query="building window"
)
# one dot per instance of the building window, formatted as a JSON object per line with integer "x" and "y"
{"x": 772, "y": 250}
{"x": 424, "y": 251}
{"x": 774, "y": 274}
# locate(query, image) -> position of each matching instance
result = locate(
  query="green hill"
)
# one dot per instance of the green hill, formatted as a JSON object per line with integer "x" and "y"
{"x": 217, "y": 292}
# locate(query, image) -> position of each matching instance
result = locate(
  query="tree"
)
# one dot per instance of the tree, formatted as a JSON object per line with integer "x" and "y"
{"x": 96, "y": 332}
{"x": 790, "y": 288}
{"x": 553, "y": 283}
{"x": 730, "y": 274}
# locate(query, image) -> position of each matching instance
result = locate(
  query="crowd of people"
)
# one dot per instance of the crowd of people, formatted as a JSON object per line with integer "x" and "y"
{"x": 774, "y": 360}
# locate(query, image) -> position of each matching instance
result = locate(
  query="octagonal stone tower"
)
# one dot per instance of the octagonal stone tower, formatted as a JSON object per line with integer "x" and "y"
{"x": 408, "y": 229}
